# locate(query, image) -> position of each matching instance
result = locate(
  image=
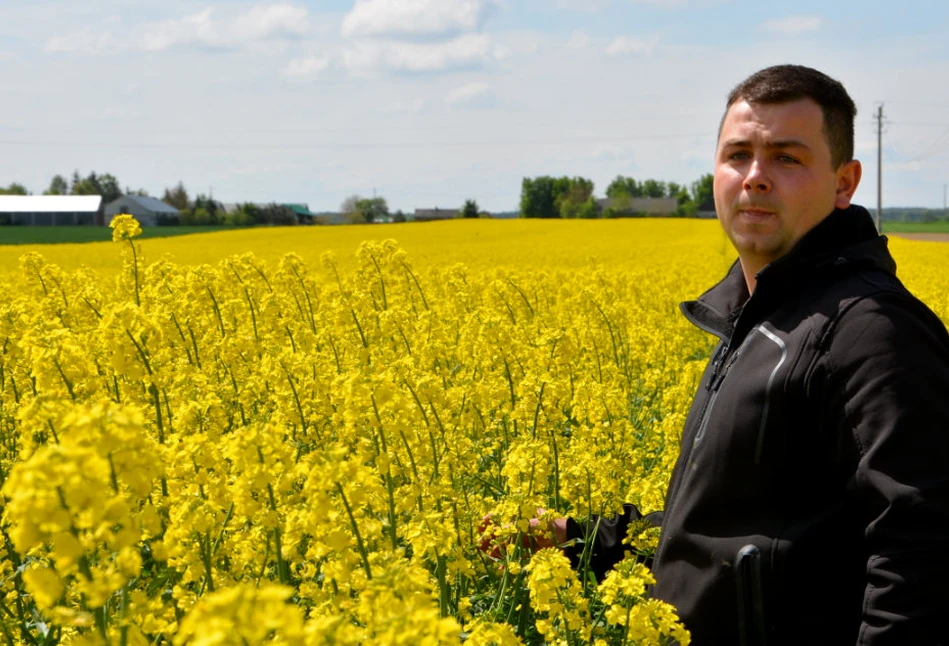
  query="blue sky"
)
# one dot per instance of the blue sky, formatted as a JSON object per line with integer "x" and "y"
{"x": 430, "y": 102}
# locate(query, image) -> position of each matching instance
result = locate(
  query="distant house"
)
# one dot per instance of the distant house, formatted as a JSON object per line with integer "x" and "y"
{"x": 648, "y": 206}
{"x": 302, "y": 211}
{"x": 708, "y": 215}
{"x": 149, "y": 211}
{"x": 51, "y": 210}
{"x": 430, "y": 215}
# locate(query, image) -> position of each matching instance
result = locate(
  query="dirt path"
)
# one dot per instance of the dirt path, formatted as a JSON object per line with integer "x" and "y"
{"x": 932, "y": 237}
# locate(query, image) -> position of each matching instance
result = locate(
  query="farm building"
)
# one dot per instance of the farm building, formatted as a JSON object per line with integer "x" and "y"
{"x": 149, "y": 211}
{"x": 51, "y": 210}
{"x": 429, "y": 215}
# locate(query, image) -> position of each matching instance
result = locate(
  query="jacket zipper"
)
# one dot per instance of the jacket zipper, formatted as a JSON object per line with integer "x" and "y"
{"x": 719, "y": 372}
{"x": 714, "y": 386}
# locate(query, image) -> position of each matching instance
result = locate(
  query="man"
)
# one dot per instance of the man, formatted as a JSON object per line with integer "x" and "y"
{"x": 810, "y": 501}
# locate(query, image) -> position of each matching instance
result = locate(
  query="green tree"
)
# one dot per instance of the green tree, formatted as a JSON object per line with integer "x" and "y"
{"x": 15, "y": 188}
{"x": 537, "y": 198}
{"x": 589, "y": 209}
{"x": 348, "y": 206}
{"x": 177, "y": 197}
{"x": 86, "y": 185}
{"x": 624, "y": 185}
{"x": 621, "y": 203}
{"x": 576, "y": 200}
{"x": 57, "y": 186}
{"x": 684, "y": 205}
{"x": 544, "y": 197}
{"x": 275, "y": 214}
{"x": 209, "y": 206}
{"x": 372, "y": 209}
{"x": 654, "y": 188}
{"x": 105, "y": 185}
{"x": 470, "y": 209}
{"x": 109, "y": 188}
{"x": 702, "y": 193}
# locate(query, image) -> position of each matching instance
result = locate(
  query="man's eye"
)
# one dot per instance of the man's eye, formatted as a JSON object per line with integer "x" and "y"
{"x": 787, "y": 159}
{"x": 739, "y": 155}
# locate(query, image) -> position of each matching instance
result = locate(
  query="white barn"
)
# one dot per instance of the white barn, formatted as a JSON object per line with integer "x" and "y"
{"x": 51, "y": 210}
{"x": 147, "y": 210}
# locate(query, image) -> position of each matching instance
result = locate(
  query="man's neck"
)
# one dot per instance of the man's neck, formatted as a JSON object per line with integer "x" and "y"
{"x": 750, "y": 269}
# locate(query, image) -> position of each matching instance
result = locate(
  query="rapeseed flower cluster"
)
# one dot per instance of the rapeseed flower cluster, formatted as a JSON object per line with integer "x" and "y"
{"x": 303, "y": 451}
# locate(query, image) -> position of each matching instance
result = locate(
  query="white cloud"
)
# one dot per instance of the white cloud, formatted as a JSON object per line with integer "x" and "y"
{"x": 627, "y": 45}
{"x": 472, "y": 95}
{"x": 85, "y": 41}
{"x": 301, "y": 68}
{"x": 406, "y": 107}
{"x": 523, "y": 42}
{"x": 794, "y": 24}
{"x": 470, "y": 50}
{"x": 579, "y": 40}
{"x": 262, "y": 22}
{"x": 584, "y": 6}
{"x": 397, "y": 18}
{"x": 169, "y": 33}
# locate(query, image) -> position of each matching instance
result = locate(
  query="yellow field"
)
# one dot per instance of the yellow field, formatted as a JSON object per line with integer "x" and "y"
{"x": 199, "y": 445}
{"x": 480, "y": 244}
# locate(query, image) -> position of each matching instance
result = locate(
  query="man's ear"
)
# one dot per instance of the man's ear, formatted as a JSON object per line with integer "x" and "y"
{"x": 848, "y": 178}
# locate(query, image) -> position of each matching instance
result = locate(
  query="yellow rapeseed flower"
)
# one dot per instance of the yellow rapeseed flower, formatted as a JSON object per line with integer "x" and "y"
{"x": 124, "y": 227}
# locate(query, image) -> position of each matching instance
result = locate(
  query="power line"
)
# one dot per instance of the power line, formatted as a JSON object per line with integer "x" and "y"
{"x": 937, "y": 146}
{"x": 919, "y": 123}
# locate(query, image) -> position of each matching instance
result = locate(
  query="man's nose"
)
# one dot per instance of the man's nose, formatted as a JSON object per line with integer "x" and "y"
{"x": 757, "y": 179}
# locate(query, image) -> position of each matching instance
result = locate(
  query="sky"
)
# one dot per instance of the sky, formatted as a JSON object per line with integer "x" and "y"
{"x": 428, "y": 103}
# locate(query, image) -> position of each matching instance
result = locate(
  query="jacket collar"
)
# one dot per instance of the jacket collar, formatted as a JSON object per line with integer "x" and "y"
{"x": 847, "y": 238}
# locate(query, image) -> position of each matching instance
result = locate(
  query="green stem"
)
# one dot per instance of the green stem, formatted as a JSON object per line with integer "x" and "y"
{"x": 135, "y": 271}
{"x": 359, "y": 543}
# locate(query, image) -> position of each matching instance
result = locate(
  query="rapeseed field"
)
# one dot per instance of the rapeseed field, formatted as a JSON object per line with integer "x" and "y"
{"x": 298, "y": 445}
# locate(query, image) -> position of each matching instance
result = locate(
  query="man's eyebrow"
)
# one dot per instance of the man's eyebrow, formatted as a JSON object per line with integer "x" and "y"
{"x": 781, "y": 143}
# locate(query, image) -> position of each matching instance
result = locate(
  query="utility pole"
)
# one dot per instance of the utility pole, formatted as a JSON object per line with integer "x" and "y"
{"x": 880, "y": 168}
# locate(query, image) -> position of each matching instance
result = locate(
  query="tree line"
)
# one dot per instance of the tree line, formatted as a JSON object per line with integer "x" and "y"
{"x": 105, "y": 185}
{"x": 572, "y": 197}
{"x": 541, "y": 197}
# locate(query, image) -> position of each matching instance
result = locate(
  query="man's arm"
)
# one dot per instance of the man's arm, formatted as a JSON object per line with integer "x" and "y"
{"x": 889, "y": 367}
{"x": 606, "y": 548}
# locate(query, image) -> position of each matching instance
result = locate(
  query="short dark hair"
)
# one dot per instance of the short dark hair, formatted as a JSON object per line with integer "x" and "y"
{"x": 786, "y": 83}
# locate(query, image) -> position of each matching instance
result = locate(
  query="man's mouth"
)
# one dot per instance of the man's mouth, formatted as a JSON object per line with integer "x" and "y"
{"x": 756, "y": 213}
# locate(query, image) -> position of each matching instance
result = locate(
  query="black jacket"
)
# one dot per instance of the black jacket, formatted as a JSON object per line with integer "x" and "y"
{"x": 820, "y": 435}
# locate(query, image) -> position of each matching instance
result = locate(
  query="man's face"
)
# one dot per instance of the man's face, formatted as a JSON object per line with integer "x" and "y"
{"x": 773, "y": 178}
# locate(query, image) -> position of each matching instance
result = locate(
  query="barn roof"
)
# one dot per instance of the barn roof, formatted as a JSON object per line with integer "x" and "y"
{"x": 49, "y": 203}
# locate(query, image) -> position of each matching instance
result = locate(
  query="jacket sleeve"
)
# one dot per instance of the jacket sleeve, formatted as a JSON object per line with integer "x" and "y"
{"x": 888, "y": 365}
{"x": 600, "y": 538}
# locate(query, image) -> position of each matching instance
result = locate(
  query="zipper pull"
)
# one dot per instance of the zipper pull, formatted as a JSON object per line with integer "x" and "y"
{"x": 716, "y": 366}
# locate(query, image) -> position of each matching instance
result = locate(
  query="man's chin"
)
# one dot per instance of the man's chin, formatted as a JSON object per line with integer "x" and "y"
{"x": 758, "y": 246}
